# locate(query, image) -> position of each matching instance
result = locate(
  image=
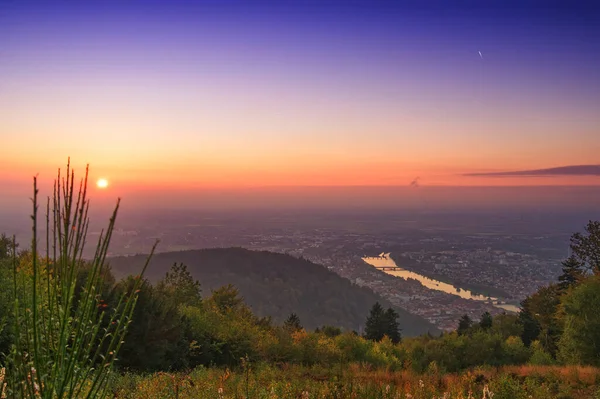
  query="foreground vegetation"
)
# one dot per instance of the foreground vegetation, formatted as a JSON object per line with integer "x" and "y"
{"x": 66, "y": 326}
{"x": 356, "y": 381}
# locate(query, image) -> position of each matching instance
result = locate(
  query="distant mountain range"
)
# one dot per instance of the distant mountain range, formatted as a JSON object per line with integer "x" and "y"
{"x": 276, "y": 285}
{"x": 573, "y": 170}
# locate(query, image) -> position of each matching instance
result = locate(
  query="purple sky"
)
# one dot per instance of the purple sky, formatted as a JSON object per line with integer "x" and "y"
{"x": 161, "y": 95}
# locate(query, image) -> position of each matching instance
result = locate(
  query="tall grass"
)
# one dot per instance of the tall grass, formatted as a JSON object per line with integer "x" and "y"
{"x": 266, "y": 381}
{"x": 67, "y": 341}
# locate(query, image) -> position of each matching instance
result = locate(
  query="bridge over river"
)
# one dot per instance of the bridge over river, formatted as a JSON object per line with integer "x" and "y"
{"x": 386, "y": 264}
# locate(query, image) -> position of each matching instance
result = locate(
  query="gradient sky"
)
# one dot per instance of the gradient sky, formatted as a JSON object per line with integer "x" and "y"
{"x": 245, "y": 94}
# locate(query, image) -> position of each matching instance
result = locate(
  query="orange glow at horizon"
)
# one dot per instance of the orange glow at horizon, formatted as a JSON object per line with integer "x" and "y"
{"x": 216, "y": 176}
{"x": 238, "y": 170}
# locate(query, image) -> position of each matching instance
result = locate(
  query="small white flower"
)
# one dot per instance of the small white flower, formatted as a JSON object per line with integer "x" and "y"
{"x": 487, "y": 394}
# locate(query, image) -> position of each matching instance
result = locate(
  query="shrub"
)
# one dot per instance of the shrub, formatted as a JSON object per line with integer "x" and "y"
{"x": 66, "y": 341}
{"x": 540, "y": 357}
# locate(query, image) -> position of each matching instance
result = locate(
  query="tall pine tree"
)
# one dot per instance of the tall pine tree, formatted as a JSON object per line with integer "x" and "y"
{"x": 381, "y": 323}
{"x": 464, "y": 324}
{"x": 531, "y": 327}
{"x": 392, "y": 326}
{"x": 486, "y": 321}
{"x": 572, "y": 273}
{"x": 292, "y": 323}
{"x": 375, "y": 326}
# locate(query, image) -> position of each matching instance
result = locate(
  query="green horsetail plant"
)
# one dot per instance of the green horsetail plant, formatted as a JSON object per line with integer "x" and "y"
{"x": 66, "y": 340}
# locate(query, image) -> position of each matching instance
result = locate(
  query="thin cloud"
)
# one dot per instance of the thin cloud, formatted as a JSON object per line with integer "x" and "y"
{"x": 573, "y": 170}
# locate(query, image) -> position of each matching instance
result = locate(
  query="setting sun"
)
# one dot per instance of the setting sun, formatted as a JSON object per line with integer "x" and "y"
{"x": 102, "y": 183}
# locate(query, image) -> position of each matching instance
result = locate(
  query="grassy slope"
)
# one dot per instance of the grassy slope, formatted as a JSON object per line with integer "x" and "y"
{"x": 276, "y": 285}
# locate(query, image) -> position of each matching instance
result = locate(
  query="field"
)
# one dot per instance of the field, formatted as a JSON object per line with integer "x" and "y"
{"x": 355, "y": 381}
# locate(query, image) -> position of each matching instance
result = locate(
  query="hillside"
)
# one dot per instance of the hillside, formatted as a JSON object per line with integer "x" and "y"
{"x": 276, "y": 285}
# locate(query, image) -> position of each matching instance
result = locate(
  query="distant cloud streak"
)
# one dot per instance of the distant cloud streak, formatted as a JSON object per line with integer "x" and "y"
{"x": 573, "y": 170}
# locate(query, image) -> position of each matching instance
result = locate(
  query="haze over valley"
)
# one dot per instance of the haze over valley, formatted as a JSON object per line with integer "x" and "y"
{"x": 505, "y": 254}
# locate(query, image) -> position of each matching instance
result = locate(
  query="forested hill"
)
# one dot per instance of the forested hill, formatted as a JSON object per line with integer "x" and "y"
{"x": 276, "y": 285}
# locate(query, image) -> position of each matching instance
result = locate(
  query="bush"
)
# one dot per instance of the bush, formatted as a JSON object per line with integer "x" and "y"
{"x": 507, "y": 387}
{"x": 515, "y": 351}
{"x": 540, "y": 357}
{"x": 66, "y": 339}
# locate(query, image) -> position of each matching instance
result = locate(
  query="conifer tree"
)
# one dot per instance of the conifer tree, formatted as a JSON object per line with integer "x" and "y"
{"x": 392, "y": 326}
{"x": 292, "y": 323}
{"x": 375, "y": 326}
{"x": 381, "y": 323}
{"x": 531, "y": 327}
{"x": 572, "y": 273}
{"x": 464, "y": 324}
{"x": 179, "y": 287}
{"x": 486, "y": 321}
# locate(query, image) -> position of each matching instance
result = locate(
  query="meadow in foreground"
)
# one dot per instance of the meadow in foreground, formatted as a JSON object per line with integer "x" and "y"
{"x": 356, "y": 381}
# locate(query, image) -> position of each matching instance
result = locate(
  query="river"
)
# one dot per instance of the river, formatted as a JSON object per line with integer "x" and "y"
{"x": 384, "y": 260}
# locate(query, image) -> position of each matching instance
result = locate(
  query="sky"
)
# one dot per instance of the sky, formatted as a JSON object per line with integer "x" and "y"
{"x": 226, "y": 95}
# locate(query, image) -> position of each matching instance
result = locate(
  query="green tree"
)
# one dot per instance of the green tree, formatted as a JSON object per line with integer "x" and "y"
{"x": 486, "y": 321}
{"x": 6, "y": 247}
{"x": 227, "y": 299}
{"x": 448, "y": 351}
{"x": 375, "y": 327}
{"x": 580, "y": 341}
{"x": 329, "y": 331}
{"x": 157, "y": 339}
{"x": 542, "y": 307}
{"x": 464, "y": 324}
{"x": 179, "y": 287}
{"x": 381, "y": 323}
{"x": 515, "y": 351}
{"x": 392, "y": 326}
{"x": 483, "y": 348}
{"x": 224, "y": 330}
{"x": 586, "y": 247}
{"x": 540, "y": 356}
{"x": 507, "y": 325}
{"x": 530, "y": 326}
{"x": 292, "y": 323}
{"x": 572, "y": 273}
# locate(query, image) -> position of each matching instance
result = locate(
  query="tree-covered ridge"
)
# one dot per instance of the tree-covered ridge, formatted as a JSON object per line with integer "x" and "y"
{"x": 277, "y": 285}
